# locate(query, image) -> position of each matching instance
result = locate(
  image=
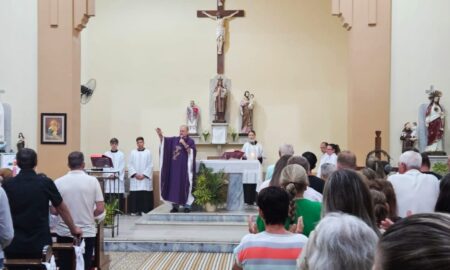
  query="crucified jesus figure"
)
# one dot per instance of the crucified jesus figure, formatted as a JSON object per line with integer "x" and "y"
{"x": 220, "y": 29}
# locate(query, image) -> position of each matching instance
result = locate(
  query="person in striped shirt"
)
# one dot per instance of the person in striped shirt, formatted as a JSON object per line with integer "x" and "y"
{"x": 275, "y": 248}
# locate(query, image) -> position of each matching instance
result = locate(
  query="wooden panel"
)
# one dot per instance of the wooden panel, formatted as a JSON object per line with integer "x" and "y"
{"x": 373, "y": 12}
{"x": 54, "y": 10}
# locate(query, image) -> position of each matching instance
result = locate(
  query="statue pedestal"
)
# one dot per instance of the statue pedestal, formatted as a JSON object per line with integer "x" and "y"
{"x": 195, "y": 137}
{"x": 219, "y": 132}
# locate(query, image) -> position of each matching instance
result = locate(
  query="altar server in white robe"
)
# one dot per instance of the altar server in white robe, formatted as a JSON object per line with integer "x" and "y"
{"x": 115, "y": 188}
{"x": 140, "y": 170}
{"x": 253, "y": 150}
{"x": 329, "y": 157}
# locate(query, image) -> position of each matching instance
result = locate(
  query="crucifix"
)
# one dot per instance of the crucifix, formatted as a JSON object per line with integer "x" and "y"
{"x": 221, "y": 16}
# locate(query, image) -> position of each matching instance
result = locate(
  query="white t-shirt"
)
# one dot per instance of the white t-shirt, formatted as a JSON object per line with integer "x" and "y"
{"x": 415, "y": 191}
{"x": 80, "y": 192}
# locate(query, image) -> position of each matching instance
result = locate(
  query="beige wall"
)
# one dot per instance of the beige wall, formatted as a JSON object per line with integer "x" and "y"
{"x": 420, "y": 57}
{"x": 369, "y": 72}
{"x": 18, "y": 66}
{"x": 150, "y": 57}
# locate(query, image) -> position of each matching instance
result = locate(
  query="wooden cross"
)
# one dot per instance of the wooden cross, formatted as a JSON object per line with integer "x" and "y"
{"x": 221, "y": 16}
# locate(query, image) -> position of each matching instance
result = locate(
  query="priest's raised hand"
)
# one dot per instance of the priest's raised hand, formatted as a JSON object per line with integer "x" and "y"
{"x": 159, "y": 132}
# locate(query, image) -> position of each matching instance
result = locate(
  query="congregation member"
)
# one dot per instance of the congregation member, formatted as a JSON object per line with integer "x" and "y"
{"x": 5, "y": 174}
{"x": 426, "y": 166}
{"x": 276, "y": 247}
{"x": 177, "y": 155}
{"x": 294, "y": 180}
{"x": 387, "y": 189}
{"x": 329, "y": 157}
{"x": 314, "y": 181}
{"x": 6, "y": 226}
{"x": 345, "y": 191}
{"x": 340, "y": 242}
{"x": 252, "y": 150}
{"x": 416, "y": 192}
{"x": 285, "y": 149}
{"x": 310, "y": 193}
{"x": 443, "y": 201}
{"x": 83, "y": 196}
{"x": 380, "y": 206}
{"x": 274, "y": 181}
{"x": 29, "y": 195}
{"x": 419, "y": 241}
{"x": 346, "y": 160}
{"x": 140, "y": 170}
{"x": 115, "y": 188}
{"x": 326, "y": 170}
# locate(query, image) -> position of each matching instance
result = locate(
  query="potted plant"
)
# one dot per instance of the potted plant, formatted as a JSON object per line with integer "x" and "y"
{"x": 210, "y": 189}
{"x": 440, "y": 168}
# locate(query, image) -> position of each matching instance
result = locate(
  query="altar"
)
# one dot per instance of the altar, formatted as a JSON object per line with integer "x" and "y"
{"x": 240, "y": 172}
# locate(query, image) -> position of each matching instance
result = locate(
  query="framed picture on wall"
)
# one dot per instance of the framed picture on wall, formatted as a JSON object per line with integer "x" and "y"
{"x": 53, "y": 128}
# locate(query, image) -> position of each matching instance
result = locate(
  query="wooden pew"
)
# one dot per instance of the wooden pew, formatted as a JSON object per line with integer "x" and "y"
{"x": 67, "y": 249}
{"x": 32, "y": 264}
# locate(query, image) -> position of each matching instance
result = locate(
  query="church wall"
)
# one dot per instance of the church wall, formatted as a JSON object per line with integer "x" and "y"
{"x": 18, "y": 66}
{"x": 151, "y": 57}
{"x": 420, "y": 58}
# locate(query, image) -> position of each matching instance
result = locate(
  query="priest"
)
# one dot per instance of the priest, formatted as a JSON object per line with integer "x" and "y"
{"x": 177, "y": 156}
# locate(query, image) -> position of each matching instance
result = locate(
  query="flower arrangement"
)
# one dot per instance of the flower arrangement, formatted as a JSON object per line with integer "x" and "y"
{"x": 233, "y": 134}
{"x": 205, "y": 135}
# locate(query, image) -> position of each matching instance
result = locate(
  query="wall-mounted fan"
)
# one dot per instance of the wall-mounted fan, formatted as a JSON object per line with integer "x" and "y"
{"x": 87, "y": 90}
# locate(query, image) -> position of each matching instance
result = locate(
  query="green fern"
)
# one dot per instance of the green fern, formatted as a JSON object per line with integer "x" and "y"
{"x": 210, "y": 187}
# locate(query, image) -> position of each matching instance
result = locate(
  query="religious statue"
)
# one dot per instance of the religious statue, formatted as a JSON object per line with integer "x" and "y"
{"x": 21, "y": 142}
{"x": 220, "y": 95}
{"x": 409, "y": 136}
{"x": 221, "y": 27}
{"x": 193, "y": 114}
{"x": 431, "y": 117}
{"x": 246, "y": 109}
{"x": 220, "y": 3}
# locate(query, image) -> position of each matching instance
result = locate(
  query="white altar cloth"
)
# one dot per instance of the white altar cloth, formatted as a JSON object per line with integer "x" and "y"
{"x": 251, "y": 170}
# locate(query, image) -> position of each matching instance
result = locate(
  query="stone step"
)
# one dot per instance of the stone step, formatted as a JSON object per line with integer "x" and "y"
{"x": 160, "y": 231}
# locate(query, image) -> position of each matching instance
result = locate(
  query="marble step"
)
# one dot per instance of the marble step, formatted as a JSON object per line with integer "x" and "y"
{"x": 175, "y": 237}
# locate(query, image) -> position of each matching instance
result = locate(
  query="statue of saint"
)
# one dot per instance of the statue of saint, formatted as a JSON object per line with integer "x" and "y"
{"x": 193, "y": 114}
{"x": 432, "y": 116}
{"x": 220, "y": 102}
{"x": 408, "y": 136}
{"x": 247, "y": 104}
{"x": 220, "y": 29}
{"x": 434, "y": 121}
{"x": 21, "y": 142}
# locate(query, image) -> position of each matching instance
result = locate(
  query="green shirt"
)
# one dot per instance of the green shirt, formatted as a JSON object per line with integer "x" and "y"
{"x": 309, "y": 210}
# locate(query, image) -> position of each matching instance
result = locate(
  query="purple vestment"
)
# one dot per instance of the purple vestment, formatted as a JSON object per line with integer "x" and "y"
{"x": 174, "y": 170}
